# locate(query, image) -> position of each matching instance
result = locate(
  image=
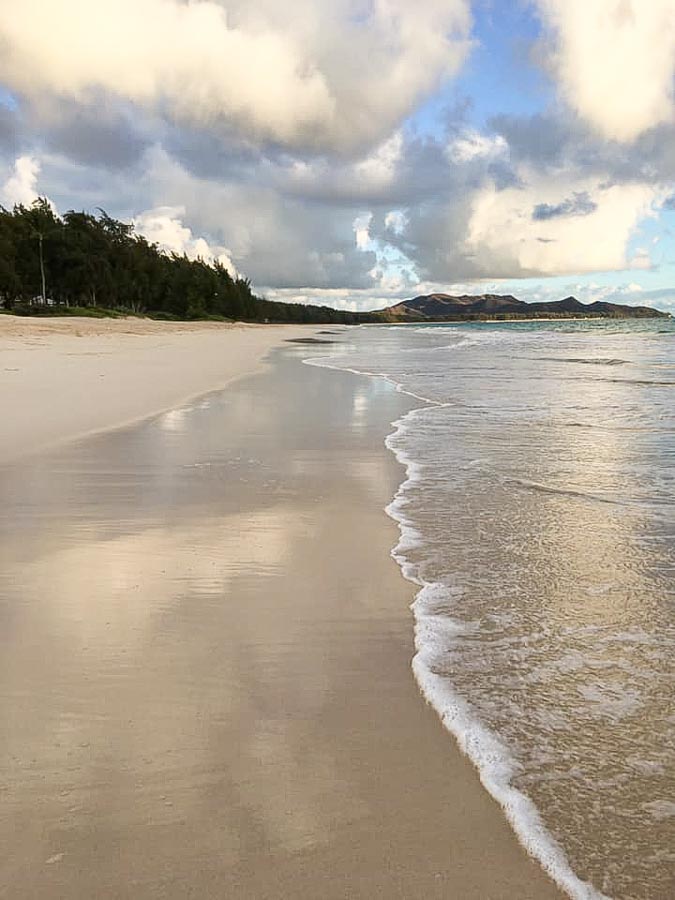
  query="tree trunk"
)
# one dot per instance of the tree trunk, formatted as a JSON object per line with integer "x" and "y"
{"x": 42, "y": 272}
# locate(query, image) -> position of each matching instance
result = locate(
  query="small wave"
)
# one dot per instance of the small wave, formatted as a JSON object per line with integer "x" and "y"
{"x": 321, "y": 363}
{"x": 481, "y": 339}
{"x": 583, "y": 361}
{"x": 618, "y": 429}
{"x": 566, "y": 492}
{"x": 639, "y": 381}
{"x": 463, "y": 335}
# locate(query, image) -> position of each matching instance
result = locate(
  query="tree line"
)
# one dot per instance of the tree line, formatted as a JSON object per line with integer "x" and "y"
{"x": 51, "y": 263}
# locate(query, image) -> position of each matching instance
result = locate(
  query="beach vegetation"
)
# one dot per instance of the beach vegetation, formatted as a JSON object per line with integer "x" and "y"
{"x": 94, "y": 265}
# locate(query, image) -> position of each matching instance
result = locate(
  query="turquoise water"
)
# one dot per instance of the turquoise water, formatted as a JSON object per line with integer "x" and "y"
{"x": 538, "y": 520}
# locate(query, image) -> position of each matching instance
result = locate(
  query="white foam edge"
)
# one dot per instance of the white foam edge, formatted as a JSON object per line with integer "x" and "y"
{"x": 321, "y": 363}
{"x": 491, "y": 758}
{"x": 489, "y": 755}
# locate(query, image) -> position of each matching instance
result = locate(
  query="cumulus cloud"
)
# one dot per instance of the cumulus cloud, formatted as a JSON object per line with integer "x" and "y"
{"x": 106, "y": 135}
{"x": 164, "y": 226}
{"x": 395, "y": 220}
{"x": 615, "y": 61}
{"x": 379, "y": 168}
{"x": 362, "y": 230}
{"x": 370, "y": 177}
{"x": 558, "y": 140}
{"x": 505, "y": 238}
{"x": 471, "y": 144}
{"x": 21, "y": 186}
{"x": 301, "y": 228}
{"x": 402, "y": 212}
{"x": 336, "y": 73}
{"x": 275, "y": 240}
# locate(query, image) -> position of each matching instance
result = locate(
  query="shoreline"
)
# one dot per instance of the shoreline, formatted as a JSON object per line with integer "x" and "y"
{"x": 205, "y": 700}
{"x": 469, "y": 735}
{"x": 492, "y": 760}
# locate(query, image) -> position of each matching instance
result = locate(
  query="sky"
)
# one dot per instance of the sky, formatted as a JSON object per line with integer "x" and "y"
{"x": 357, "y": 152}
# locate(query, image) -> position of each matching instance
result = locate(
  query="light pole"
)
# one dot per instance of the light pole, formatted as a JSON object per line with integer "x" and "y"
{"x": 42, "y": 270}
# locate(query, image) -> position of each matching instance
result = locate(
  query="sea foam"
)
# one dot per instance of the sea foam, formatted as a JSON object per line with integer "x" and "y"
{"x": 493, "y": 760}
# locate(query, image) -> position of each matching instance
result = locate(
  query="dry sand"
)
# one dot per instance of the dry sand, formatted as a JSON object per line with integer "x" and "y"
{"x": 62, "y": 378}
{"x": 206, "y": 649}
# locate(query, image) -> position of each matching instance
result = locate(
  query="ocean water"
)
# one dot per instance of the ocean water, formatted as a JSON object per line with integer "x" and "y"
{"x": 538, "y": 520}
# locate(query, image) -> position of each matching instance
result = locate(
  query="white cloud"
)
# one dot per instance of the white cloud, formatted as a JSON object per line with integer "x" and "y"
{"x": 367, "y": 177}
{"x": 164, "y": 226}
{"x": 504, "y": 236}
{"x": 379, "y": 168}
{"x": 327, "y": 73}
{"x": 395, "y": 220}
{"x": 615, "y": 60}
{"x": 21, "y": 186}
{"x": 362, "y": 230}
{"x": 640, "y": 259}
{"x": 472, "y": 145}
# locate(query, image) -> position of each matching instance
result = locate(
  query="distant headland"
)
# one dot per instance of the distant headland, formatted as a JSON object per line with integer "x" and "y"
{"x": 496, "y": 307}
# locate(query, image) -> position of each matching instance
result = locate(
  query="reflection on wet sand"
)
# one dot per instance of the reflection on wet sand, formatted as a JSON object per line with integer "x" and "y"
{"x": 205, "y": 665}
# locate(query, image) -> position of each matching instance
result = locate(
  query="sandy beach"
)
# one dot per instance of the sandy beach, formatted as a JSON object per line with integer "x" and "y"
{"x": 206, "y": 645}
{"x": 64, "y": 378}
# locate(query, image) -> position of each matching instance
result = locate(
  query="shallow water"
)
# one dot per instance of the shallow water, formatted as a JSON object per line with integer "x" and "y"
{"x": 538, "y": 518}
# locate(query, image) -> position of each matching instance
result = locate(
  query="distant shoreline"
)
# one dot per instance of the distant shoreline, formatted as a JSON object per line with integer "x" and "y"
{"x": 526, "y": 319}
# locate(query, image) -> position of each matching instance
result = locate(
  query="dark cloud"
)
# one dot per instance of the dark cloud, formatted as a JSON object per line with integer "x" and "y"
{"x": 104, "y": 136}
{"x": 219, "y": 154}
{"x": 9, "y": 130}
{"x": 295, "y": 245}
{"x": 559, "y": 140}
{"x": 579, "y": 204}
{"x": 504, "y": 175}
{"x": 433, "y": 238}
{"x": 541, "y": 139}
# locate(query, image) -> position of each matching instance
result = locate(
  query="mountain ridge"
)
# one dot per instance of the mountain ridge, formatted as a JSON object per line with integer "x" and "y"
{"x": 447, "y": 307}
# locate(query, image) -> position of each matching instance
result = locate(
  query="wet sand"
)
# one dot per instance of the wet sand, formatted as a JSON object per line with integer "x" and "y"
{"x": 205, "y": 665}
